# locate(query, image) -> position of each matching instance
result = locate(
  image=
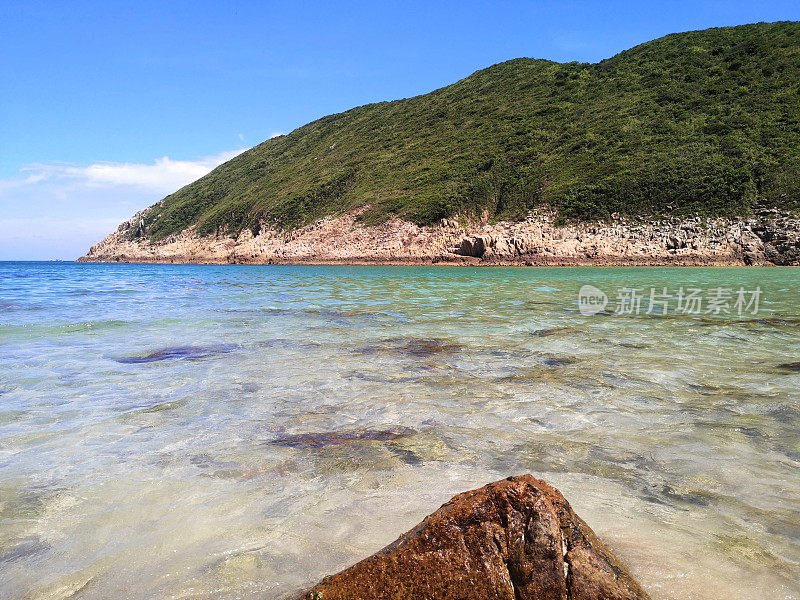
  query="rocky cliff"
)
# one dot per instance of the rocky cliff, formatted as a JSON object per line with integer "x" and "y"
{"x": 770, "y": 237}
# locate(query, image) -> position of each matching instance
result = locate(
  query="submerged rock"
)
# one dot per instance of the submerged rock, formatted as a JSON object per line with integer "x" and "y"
{"x": 335, "y": 438}
{"x": 559, "y": 361}
{"x": 515, "y": 539}
{"x": 554, "y": 331}
{"x": 176, "y": 353}
{"x": 792, "y": 366}
{"x": 412, "y": 347}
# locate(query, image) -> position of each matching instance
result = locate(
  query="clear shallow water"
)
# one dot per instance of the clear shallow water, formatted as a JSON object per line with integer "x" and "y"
{"x": 155, "y": 421}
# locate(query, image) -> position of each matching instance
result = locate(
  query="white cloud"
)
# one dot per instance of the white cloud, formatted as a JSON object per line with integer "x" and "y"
{"x": 164, "y": 175}
{"x": 59, "y": 210}
{"x": 275, "y": 134}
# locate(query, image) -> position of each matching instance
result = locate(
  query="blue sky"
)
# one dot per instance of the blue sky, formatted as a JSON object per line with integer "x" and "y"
{"x": 106, "y": 107}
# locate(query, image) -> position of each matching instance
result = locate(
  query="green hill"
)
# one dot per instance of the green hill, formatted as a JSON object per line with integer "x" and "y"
{"x": 702, "y": 122}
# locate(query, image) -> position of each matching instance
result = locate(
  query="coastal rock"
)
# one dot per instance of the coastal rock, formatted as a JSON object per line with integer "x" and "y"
{"x": 538, "y": 240}
{"x": 473, "y": 247}
{"x": 515, "y": 539}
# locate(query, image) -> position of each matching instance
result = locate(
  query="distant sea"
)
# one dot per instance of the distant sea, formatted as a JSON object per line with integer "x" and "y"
{"x": 187, "y": 431}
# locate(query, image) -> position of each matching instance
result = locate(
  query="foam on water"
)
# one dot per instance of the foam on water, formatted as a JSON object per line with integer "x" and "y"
{"x": 241, "y": 431}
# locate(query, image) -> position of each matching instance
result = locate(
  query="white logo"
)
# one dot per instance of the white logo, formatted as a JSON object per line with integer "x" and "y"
{"x": 591, "y": 300}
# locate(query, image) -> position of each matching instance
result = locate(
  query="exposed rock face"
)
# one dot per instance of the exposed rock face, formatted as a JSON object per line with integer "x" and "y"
{"x": 472, "y": 247}
{"x": 516, "y": 539}
{"x": 771, "y": 237}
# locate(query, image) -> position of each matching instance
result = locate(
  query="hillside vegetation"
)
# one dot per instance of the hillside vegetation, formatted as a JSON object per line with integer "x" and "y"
{"x": 705, "y": 122}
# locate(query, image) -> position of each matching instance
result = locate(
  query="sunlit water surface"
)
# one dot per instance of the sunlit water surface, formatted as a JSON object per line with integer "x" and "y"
{"x": 241, "y": 431}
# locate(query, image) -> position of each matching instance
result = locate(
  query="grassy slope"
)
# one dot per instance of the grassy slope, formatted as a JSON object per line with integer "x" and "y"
{"x": 700, "y": 122}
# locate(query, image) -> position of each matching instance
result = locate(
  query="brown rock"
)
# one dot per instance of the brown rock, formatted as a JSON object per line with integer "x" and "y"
{"x": 472, "y": 247}
{"x": 515, "y": 539}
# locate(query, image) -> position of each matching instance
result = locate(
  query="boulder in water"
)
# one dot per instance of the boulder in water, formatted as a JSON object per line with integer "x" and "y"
{"x": 515, "y": 539}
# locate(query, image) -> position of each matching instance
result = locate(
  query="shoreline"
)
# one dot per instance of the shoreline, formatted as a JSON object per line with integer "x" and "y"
{"x": 770, "y": 238}
{"x": 528, "y": 262}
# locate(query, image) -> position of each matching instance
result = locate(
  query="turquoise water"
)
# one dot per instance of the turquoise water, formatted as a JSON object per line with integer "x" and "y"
{"x": 241, "y": 431}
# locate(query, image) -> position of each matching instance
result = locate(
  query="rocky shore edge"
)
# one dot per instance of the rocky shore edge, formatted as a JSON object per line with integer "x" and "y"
{"x": 514, "y": 539}
{"x": 770, "y": 237}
